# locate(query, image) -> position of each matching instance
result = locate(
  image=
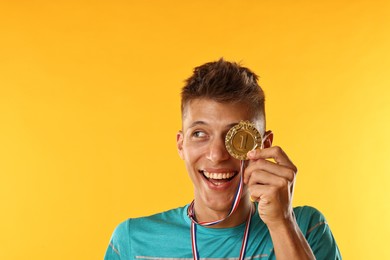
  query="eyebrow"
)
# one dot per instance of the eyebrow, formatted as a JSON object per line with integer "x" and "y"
{"x": 199, "y": 122}
{"x": 196, "y": 123}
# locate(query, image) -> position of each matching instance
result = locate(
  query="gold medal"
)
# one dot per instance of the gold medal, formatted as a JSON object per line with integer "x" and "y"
{"x": 241, "y": 139}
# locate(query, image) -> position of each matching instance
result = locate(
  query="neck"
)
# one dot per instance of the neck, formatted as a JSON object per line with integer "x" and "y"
{"x": 204, "y": 214}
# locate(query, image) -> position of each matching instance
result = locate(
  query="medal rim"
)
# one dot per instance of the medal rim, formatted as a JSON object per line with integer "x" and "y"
{"x": 245, "y": 126}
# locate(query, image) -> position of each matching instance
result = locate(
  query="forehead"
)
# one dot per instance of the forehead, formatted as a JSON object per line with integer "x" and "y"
{"x": 215, "y": 113}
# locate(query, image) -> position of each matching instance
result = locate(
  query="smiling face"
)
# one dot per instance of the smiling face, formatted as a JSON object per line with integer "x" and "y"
{"x": 201, "y": 144}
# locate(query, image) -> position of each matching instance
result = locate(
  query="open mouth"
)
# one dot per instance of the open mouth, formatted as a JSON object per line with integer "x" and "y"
{"x": 218, "y": 178}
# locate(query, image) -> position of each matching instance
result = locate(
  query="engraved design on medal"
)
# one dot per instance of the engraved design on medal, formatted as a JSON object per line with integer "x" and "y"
{"x": 241, "y": 139}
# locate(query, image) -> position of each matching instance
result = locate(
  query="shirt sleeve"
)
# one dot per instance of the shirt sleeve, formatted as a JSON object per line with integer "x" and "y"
{"x": 119, "y": 246}
{"x": 318, "y": 234}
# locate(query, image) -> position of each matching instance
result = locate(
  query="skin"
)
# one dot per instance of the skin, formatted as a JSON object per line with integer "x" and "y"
{"x": 201, "y": 144}
{"x": 269, "y": 177}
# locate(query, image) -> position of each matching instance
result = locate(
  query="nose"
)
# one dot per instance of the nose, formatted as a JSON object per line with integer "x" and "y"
{"x": 217, "y": 151}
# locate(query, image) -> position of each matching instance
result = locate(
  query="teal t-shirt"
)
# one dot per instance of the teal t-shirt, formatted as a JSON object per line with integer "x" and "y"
{"x": 167, "y": 236}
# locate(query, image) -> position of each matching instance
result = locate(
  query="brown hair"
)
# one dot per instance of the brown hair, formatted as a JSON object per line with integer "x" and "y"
{"x": 225, "y": 82}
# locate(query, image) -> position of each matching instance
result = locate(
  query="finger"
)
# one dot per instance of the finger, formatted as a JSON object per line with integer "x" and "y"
{"x": 267, "y": 166}
{"x": 265, "y": 178}
{"x": 261, "y": 193}
{"x": 276, "y": 153}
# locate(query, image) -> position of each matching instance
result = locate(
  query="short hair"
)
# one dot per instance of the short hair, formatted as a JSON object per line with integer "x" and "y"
{"x": 225, "y": 82}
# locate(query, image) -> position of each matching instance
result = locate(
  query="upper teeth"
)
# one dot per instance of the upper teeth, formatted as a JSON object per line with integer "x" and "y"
{"x": 218, "y": 176}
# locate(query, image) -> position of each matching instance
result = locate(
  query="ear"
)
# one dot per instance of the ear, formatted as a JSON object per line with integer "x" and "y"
{"x": 269, "y": 137}
{"x": 179, "y": 143}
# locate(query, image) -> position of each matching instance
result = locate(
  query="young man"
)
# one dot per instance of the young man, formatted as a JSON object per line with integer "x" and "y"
{"x": 224, "y": 221}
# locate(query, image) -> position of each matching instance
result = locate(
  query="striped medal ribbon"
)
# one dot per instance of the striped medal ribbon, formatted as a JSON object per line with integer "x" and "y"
{"x": 236, "y": 201}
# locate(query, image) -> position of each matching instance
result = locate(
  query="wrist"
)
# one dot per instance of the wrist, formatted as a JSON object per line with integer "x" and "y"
{"x": 289, "y": 242}
{"x": 286, "y": 224}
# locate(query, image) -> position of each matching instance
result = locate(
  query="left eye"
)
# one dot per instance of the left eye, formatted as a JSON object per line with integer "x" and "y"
{"x": 199, "y": 134}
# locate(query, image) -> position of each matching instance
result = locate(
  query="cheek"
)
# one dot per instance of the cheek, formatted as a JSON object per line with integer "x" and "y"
{"x": 191, "y": 155}
{"x": 193, "y": 152}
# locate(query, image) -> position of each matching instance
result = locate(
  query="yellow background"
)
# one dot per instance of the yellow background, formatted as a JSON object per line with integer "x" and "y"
{"x": 89, "y": 110}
